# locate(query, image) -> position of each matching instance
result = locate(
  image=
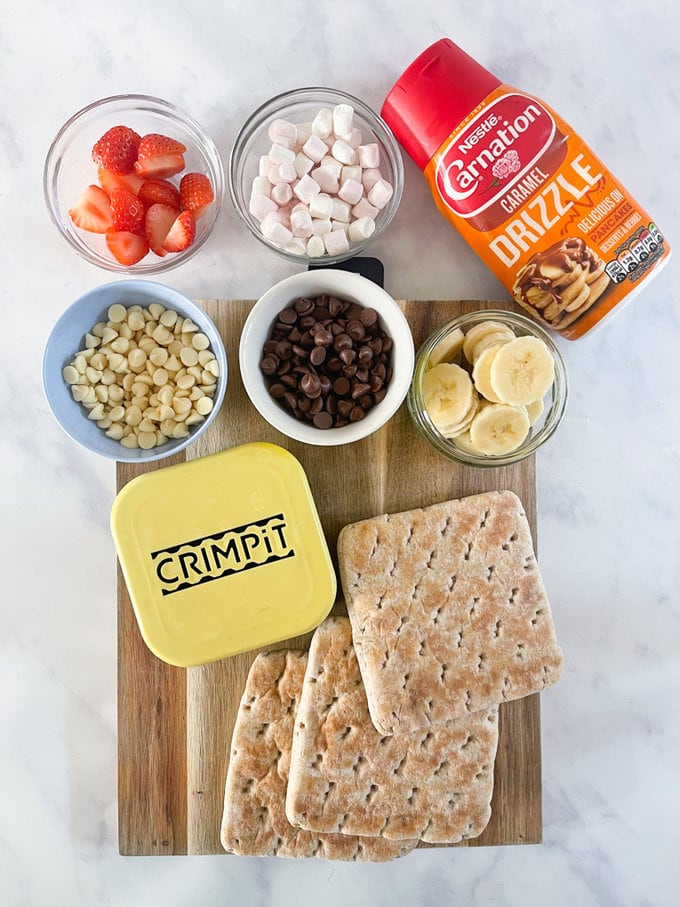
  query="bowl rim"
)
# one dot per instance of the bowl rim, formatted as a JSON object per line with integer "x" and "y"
{"x": 446, "y": 447}
{"x": 146, "y": 287}
{"x": 210, "y": 153}
{"x": 389, "y": 142}
{"x": 344, "y": 283}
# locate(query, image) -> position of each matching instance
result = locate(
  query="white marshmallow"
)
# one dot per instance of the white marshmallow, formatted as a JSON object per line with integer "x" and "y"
{"x": 370, "y": 177}
{"x": 361, "y": 229}
{"x": 351, "y": 173}
{"x": 343, "y": 119}
{"x": 261, "y": 205}
{"x": 350, "y": 191}
{"x": 301, "y": 223}
{"x": 354, "y": 139}
{"x": 315, "y": 247}
{"x": 329, "y": 163}
{"x": 282, "y": 173}
{"x": 322, "y": 124}
{"x": 369, "y": 155}
{"x": 299, "y": 206}
{"x": 278, "y": 154}
{"x": 277, "y": 233}
{"x": 365, "y": 209}
{"x": 380, "y": 193}
{"x": 304, "y": 130}
{"x": 306, "y": 189}
{"x": 321, "y": 227}
{"x": 326, "y": 179}
{"x": 315, "y": 148}
{"x": 338, "y": 225}
{"x": 261, "y": 186}
{"x": 341, "y": 211}
{"x": 272, "y": 218}
{"x": 281, "y": 132}
{"x": 265, "y": 166}
{"x": 335, "y": 242}
{"x": 321, "y": 206}
{"x": 296, "y": 246}
{"x": 302, "y": 164}
{"x": 282, "y": 194}
{"x": 343, "y": 152}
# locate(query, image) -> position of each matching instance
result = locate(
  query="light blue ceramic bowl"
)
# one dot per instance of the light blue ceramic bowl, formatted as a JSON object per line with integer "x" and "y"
{"x": 67, "y": 337}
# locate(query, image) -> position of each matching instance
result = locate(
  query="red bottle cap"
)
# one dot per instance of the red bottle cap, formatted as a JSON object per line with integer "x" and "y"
{"x": 438, "y": 90}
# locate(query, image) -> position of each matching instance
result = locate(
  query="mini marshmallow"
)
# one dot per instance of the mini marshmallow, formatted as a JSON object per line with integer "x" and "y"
{"x": 350, "y": 191}
{"x": 380, "y": 193}
{"x": 335, "y": 242}
{"x": 265, "y": 166}
{"x": 296, "y": 246}
{"x": 277, "y": 233}
{"x": 306, "y": 189}
{"x": 354, "y": 139}
{"x": 361, "y": 229}
{"x": 261, "y": 205}
{"x": 304, "y": 130}
{"x": 369, "y": 156}
{"x": 343, "y": 119}
{"x": 301, "y": 223}
{"x": 278, "y": 154}
{"x": 321, "y": 206}
{"x": 338, "y": 225}
{"x": 302, "y": 164}
{"x": 315, "y": 247}
{"x": 322, "y": 124}
{"x": 341, "y": 211}
{"x": 365, "y": 209}
{"x": 343, "y": 152}
{"x": 281, "y": 132}
{"x": 321, "y": 227}
{"x": 329, "y": 163}
{"x": 282, "y": 173}
{"x": 370, "y": 177}
{"x": 350, "y": 173}
{"x": 326, "y": 179}
{"x": 299, "y": 206}
{"x": 273, "y": 218}
{"x": 261, "y": 186}
{"x": 282, "y": 194}
{"x": 315, "y": 148}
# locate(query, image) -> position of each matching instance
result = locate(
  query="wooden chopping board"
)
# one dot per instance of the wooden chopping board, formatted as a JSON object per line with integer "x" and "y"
{"x": 175, "y": 724}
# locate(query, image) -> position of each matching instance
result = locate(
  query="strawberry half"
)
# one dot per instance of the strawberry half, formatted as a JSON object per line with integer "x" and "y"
{"x": 159, "y": 220}
{"x": 196, "y": 193}
{"x": 182, "y": 233}
{"x": 126, "y": 248}
{"x": 159, "y": 156}
{"x": 92, "y": 211}
{"x": 159, "y": 192}
{"x": 127, "y": 212}
{"x": 110, "y": 181}
{"x": 117, "y": 149}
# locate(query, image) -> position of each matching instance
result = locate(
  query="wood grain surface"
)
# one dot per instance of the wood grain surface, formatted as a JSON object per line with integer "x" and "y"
{"x": 175, "y": 725}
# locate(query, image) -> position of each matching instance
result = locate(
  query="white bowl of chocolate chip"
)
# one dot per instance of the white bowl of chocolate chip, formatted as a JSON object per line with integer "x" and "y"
{"x": 326, "y": 357}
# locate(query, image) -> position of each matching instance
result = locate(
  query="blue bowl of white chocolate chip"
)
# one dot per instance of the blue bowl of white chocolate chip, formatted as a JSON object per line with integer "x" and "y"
{"x": 316, "y": 175}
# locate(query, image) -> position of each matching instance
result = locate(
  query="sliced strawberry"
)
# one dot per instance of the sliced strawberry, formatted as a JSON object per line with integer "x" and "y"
{"x": 110, "y": 181}
{"x": 92, "y": 211}
{"x": 196, "y": 193}
{"x": 127, "y": 212}
{"x": 159, "y": 192}
{"x": 127, "y": 248}
{"x": 155, "y": 144}
{"x": 117, "y": 149}
{"x": 182, "y": 233}
{"x": 159, "y": 167}
{"x": 159, "y": 220}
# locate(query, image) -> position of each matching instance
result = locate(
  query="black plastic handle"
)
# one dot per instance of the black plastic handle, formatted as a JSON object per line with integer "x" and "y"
{"x": 371, "y": 268}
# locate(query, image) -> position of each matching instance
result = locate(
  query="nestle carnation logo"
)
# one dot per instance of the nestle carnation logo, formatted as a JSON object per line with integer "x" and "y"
{"x": 493, "y": 151}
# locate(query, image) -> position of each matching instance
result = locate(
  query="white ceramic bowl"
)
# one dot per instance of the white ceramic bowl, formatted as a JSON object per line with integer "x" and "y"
{"x": 344, "y": 285}
{"x": 66, "y": 338}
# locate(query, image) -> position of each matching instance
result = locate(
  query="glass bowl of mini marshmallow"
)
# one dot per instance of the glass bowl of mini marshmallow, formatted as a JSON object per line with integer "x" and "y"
{"x": 316, "y": 175}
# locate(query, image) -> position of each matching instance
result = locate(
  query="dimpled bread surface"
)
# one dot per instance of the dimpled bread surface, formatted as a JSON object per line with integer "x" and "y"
{"x": 448, "y": 609}
{"x": 347, "y": 777}
{"x": 254, "y": 820}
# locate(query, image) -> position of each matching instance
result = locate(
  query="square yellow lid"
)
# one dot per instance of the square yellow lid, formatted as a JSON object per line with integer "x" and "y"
{"x": 223, "y": 554}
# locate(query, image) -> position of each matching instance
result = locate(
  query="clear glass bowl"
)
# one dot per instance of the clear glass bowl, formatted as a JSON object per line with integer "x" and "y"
{"x": 69, "y": 168}
{"x": 301, "y": 106}
{"x": 555, "y": 400}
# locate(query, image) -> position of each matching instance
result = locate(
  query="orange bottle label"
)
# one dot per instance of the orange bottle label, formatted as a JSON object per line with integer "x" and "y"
{"x": 554, "y": 225}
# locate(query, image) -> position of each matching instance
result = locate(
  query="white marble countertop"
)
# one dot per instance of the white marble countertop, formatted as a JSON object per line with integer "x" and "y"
{"x": 608, "y": 482}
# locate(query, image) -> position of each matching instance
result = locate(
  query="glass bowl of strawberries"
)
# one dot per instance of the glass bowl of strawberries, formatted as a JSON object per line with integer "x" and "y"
{"x": 133, "y": 184}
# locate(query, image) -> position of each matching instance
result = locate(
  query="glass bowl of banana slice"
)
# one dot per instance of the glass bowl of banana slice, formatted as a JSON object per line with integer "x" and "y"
{"x": 488, "y": 388}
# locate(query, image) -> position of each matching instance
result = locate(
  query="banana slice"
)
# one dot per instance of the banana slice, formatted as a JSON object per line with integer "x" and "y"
{"x": 522, "y": 371}
{"x": 490, "y": 340}
{"x": 447, "y": 348}
{"x": 452, "y": 431}
{"x": 464, "y": 442}
{"x": 480, "y": 372}
{"x": 448, "y": 394}
{"x": 499, "y": 429}
{"x": 475, "y": 334}
{"x": 535, "y": 411}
